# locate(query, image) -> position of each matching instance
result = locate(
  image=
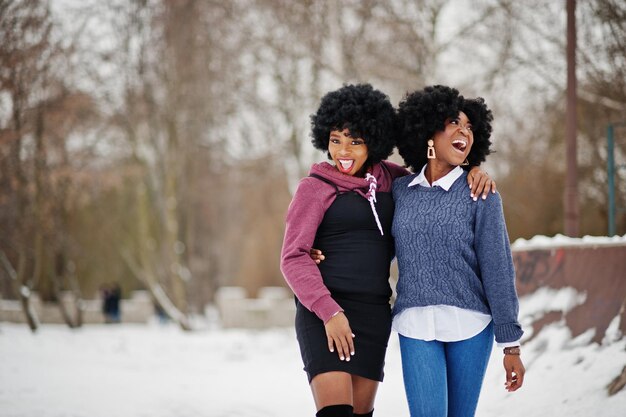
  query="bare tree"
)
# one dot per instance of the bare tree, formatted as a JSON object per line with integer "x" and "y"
{"x": 25, "y": 28}
{"x": 174, "y": 115}
{"x": 36, "y": 163}
{"x": 394, "y": 45}
{"x": 520, "y": 50}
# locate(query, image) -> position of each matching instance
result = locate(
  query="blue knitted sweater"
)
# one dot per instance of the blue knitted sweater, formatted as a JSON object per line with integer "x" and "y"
{"x": 454, "y": 251}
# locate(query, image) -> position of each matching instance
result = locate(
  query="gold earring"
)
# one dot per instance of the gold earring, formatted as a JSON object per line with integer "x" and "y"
{"x": 465, "y": 163}
{"x": 430, "y": 154}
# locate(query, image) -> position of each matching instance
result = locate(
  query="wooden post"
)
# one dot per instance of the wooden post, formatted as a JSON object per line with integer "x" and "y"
{"x": 571, "y": 178}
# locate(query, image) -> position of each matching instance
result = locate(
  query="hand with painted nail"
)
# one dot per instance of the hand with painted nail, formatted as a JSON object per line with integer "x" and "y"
{"x": 480, "y": 183}
{"x": 339, "y": 336}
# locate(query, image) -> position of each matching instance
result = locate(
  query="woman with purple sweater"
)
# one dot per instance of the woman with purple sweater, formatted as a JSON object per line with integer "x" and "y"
{"x": 345, "y": 209}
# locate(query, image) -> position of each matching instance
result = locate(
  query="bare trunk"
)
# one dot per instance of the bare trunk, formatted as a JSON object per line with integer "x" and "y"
{"x": 56, "y": 285}
{"x": 157, "y": 293}
{"x": 79, "y": 304}
{"x": 144, "y": 271}
{"x": 23, "y": 290}
{"x": 618, "y": 383}
{"x": 29, "y": 312}
{"x": 18, "y": 277}
{"x": 64, "y": 274}
{"x": 39, "y": 206}
{"x": 173, "y": 247}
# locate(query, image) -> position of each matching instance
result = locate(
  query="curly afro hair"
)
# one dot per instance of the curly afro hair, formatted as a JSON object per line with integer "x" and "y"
{"x": 424, "y": 112}
{"x": 367, "y": 113}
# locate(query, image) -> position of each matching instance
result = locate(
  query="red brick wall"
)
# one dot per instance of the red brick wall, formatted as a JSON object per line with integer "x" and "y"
{"x": 598, "y": 271}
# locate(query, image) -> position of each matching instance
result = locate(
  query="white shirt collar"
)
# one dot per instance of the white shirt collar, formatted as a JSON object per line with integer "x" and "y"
{"x": 444, "y": 182}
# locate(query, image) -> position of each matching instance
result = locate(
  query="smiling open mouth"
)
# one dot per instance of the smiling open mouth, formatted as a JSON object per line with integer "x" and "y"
{"x": 460, "y": 145}
{"x": 345, "y": 165}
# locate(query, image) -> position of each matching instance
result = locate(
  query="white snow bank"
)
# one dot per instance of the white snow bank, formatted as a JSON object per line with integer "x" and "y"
{"x": 559, "y": 241}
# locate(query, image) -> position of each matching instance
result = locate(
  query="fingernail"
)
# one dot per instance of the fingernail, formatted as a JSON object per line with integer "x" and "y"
{"x": 332, "y": 350}
{"x": 485, "y": 197}
{"x": 475, "y": 198}
{"x": 348, "y": 359}
{"x": 470, "y": 185}
{"x": 472, "y": 195}
{"x": 352, "y": 353}
{"x": 341, "y": 357}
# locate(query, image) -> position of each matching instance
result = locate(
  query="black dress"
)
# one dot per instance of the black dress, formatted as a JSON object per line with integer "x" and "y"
{"x": 356, "y": 271}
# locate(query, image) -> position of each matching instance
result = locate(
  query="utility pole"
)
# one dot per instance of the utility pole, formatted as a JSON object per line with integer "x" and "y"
{"x": 572, "y": 212}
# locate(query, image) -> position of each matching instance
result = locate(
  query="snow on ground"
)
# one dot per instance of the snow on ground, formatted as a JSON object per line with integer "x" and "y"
{"x": 160, "y": 371}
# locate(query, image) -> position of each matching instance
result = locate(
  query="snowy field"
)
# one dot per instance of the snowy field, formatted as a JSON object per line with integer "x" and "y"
{"x": 160, "y": 371}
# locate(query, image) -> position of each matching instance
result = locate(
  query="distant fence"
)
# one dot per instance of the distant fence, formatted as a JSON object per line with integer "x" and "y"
{"x": 136, "y": 309}
{"x": 596, "y": 272}
{"x": 273, "y": 307}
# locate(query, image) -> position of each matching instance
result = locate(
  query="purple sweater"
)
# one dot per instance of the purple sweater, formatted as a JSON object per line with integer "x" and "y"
{"x": 306, "y": 211}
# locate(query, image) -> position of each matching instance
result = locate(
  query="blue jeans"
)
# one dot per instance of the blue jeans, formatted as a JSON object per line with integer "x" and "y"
{"x": 443, "y": 379}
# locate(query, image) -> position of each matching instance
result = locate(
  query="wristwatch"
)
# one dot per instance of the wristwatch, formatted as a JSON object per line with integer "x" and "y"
{"x": 513, "y": 350}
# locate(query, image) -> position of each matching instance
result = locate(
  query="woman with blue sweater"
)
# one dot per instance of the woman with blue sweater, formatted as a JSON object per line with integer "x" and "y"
{"x": 456, "y": 286}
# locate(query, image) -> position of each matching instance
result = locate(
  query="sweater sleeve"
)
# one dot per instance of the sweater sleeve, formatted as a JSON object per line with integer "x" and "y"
{"x": 304, "y": 216}
{"x": 495, "y": 262}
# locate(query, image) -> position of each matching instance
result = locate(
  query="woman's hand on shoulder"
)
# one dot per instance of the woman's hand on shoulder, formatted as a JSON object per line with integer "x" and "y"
{"x": 340, "y": 336}
{"x": 480, "y": 183}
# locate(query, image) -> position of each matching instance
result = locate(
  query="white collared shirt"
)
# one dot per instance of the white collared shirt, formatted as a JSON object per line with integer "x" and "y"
{"x": 444, "y": 182}
{"x": 441, "y": 322}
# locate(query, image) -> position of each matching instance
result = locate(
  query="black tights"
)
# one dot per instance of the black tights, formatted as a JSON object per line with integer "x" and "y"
{"x": 341, "y": 410}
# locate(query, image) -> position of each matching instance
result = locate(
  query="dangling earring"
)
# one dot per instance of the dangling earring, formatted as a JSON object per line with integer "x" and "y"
{"x": 465, "y": 163}
{"x": 430, "y": 154}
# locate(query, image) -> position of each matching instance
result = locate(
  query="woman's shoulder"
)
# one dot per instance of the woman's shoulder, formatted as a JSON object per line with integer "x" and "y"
{"x": 401, "y": 185}
{"x": 311, "y": 184}
{"x": 395, "y": 170}
{"x": 404, "y": 181}
{"x": 490, "y": 206}
{"x": 311, "y": 195}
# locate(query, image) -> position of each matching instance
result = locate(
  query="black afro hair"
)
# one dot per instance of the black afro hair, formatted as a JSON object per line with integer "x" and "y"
{"x": 424, "y": 112}
{"x": 367, "y": 113}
